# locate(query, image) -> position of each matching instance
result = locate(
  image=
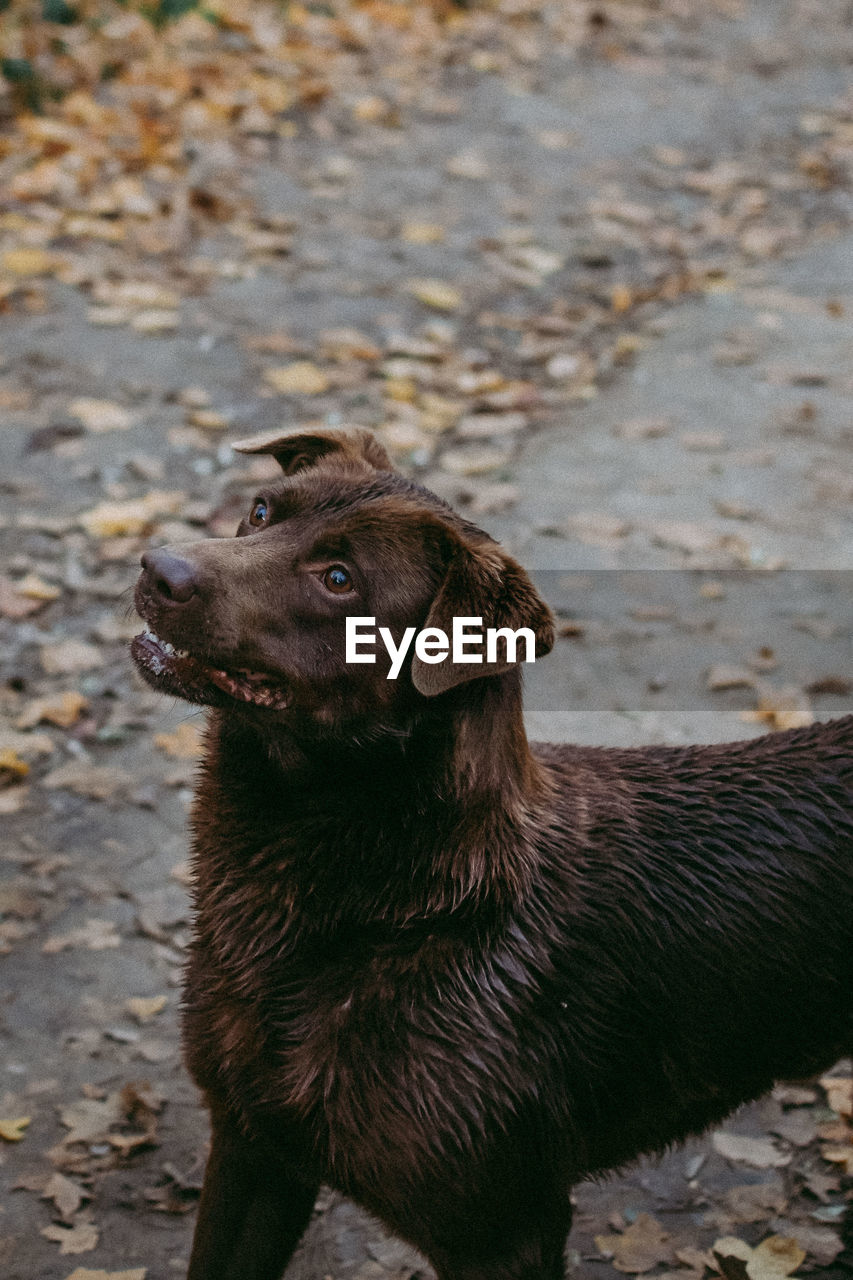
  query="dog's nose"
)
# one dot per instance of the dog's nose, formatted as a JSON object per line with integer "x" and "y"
{"x": 170, "y": 576}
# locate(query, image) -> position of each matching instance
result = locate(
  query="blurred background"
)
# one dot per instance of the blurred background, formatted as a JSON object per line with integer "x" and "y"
{"x": 587, "y": 270}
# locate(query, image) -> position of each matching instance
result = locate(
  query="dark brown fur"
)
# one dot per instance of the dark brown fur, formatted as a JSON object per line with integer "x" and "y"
{"x": 436, "y": 967}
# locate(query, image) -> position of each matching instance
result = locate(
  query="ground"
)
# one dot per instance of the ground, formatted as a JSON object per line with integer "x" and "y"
{"x": 588, "y": 271}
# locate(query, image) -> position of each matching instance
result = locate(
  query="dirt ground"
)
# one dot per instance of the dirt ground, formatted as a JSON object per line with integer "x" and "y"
{"x": 587, "y": 269}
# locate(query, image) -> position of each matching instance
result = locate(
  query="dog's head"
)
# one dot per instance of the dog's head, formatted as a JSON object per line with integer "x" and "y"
{"x": 258, "y": 622}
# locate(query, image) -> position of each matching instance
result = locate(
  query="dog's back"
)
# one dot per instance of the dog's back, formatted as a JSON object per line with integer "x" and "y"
{"x": 707, "y": 900}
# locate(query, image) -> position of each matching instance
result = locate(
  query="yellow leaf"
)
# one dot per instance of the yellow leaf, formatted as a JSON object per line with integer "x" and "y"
{"x": 11, "y": 762}
{"x": 183, "y": 744}
{"x": 301, "y": 378}
{"x": 13, "y": 1130}
{"x": 144, "y": 1008}
{"x": 118, "y": 519}
{"x": 62, "y": 710}
{"x": 422, "y": 233}
{"x": 35, "y": 588}
{"x": 29, "y": 262}
{"x": 437, "y": 294}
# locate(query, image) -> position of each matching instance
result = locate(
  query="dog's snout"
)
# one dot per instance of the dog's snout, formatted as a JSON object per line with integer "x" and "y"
{"x": 170, "y": 576}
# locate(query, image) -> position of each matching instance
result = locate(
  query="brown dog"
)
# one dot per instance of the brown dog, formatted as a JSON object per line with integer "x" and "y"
{"x": 437, "y": 968}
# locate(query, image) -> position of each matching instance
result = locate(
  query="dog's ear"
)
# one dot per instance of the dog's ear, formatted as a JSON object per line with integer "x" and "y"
{"x": 302, "y": 449}
{"x": 482, "y": 581}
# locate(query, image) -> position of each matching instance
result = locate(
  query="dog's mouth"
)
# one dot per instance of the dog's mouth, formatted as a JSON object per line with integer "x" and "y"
{"x": 179, "y": 672}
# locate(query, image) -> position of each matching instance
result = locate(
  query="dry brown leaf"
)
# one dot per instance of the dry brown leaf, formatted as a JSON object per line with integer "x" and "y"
{"x": 787, "y": 707}
{"x": 760, "y": 1153}
{"x": 132, "y": 518}
{"x": 144, "y": 1008}
{"x": 11, "y": 765}
{"x": 422, "y": 233}
{"x": 81, "y": 1238}
{"x": 724, "y": 675}
{"x": 597, "y": 528}
{"x": 67, "y": 657}
{"x": 683, "y": 535}
{"x": 100, "y": 415}
{"x": 755, "y": 1201}
{"x": 16, "y": 604}
{"x": 437, "y": 294}
{"x": 13, "y": 1130}
{"x": 184, "y": 744}
{"x": 839, "y": 1093}
{"x": 840, "y": 1155}
{"x": 301, "y": 378}
{"x": 90, "y": 1119}
{"x": 775, "y": 1258}
{"x": 94, "y": 935}
{"x": 474, "y": 461}
{"x": 29, "y": 262}
{"x": 639, "y": 1248}
{"x": 62, "y": 709}
{"x": 84, "y": 1273}
{"x": 66, "y": 1195}
{"x": 35, "y": 588}
{"x": 97, "y": 782}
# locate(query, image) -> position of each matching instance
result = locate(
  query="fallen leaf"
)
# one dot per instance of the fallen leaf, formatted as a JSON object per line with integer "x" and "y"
{"x": 756, "y": 1201}
{"x": 67, "y": 657}
{"x": 775, "y": 1258}
{"x": 821, "y": 1243}
{"x": 13, "y": 1130}
{"x": 80, "y": 1238}
{"x": 724, "y": 675}
{"x": 760, "y": 1153}
{"x": 29, "y": 262}
{"x": 155, "y": 321}
{"x": 84, "y": 1273}
{"x": 639, "y": 1248}
{"x": 100, "y": 415}
{"x": 97, "y": 782}
{"x": 11, "y": 765}
{"x": 422, "y": 233}
{"x": 144, "y": 1008}
{"x": 90, "y": 1119}
{"x": 132, "y": 518}
{"x": 643, "y": 428}
{"x": 467, "y": 164}
{"x": 301, "y": 378}
{"x": 66, "y": 1195}
{"x": 787, "y": 707}
{"x": 14, "y": 603}
{"x": 597, "y": 528}
{"x": 184, "y": 744}
{"x": 474, "y": 461}
{"x": 62, "y": 709}
{"x": 839, "y": 1093}
{"x": 35, "y": 588}
{"x": 94, "y": 935}
{"x": 437, "y": 294}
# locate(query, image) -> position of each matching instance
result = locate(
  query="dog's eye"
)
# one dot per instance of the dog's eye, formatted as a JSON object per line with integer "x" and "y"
{"x": 260, "y": 514}
{"x": 337, "y": 579}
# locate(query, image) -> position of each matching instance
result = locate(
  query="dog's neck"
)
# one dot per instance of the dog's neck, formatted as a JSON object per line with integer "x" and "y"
{"x": 459, "y": 790}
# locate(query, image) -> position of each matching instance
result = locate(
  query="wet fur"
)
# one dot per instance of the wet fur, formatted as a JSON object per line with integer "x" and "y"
{"x": 450, "y": 973}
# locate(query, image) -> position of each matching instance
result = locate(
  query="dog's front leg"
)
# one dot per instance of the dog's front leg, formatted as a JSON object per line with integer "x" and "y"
{"x": 252, "y": 1211}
